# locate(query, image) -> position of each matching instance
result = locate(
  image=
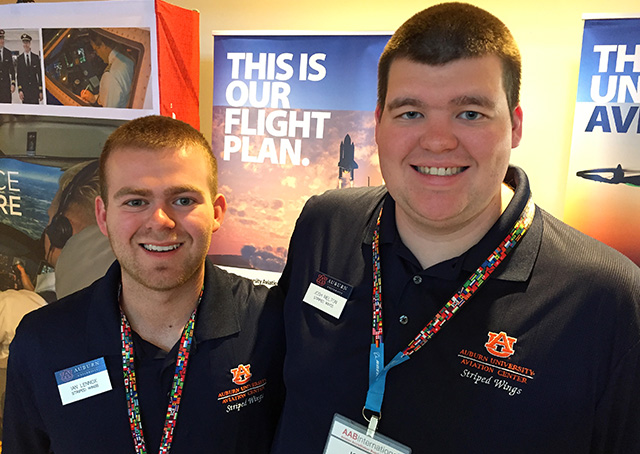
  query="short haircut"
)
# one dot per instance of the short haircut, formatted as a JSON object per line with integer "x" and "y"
{"x": 156, "y": 133}
{"x": 81, "y": 200}
{"x": 97, "y": 38}
{"x": 448, "y": 32}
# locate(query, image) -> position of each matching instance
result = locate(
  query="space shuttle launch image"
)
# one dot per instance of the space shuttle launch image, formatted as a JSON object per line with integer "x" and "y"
{"x": 347, "y": 161}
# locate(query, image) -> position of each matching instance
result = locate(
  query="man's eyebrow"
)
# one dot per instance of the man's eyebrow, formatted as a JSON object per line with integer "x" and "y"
{"x": 403, "y": 102}
{"x": 173, "y": 190}
{"x": 130, "y": 190}
{"x": 464, "y": 100}
{"x": 471, "y": 100}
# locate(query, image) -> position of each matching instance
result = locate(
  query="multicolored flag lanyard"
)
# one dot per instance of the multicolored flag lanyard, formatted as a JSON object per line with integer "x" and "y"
{"x": 176, "y": 388}
{"x": 377, "y": 370}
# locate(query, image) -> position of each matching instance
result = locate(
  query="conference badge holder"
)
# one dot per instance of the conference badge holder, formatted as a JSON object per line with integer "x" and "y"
{"x": 349, "y": 437}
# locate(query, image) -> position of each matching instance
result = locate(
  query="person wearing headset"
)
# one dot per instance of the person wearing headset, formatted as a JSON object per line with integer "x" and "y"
{"x": 74, "y": 246}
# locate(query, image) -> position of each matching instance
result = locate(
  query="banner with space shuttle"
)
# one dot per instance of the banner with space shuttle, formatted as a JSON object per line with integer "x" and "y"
{"x": 293, "y": 116}
{"x": 603, "y": 186}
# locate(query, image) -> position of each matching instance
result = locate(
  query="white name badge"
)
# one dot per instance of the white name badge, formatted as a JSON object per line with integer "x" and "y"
{"x": 82, "y": 381}
{"x": 349, "y": 437}
{"x": 328, "y": 294}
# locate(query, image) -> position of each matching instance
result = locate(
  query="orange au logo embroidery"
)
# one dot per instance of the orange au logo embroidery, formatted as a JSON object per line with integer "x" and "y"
{"x": 241, "y": 374}
{"x": 500, "y": 345}
{"x": 321, "y": 280}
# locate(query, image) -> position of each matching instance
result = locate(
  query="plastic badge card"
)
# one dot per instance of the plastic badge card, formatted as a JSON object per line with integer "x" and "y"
{"x": 82, "y": 381}
{"x": 349, "y": 437}
{"x": 328, "y": 294}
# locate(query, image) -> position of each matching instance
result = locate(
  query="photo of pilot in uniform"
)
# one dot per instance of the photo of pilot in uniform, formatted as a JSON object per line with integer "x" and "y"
{"x": 29, "y": 73}
{"x": 7, "y": 72}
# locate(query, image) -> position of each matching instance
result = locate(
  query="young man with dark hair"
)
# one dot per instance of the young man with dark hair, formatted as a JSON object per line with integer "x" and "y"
{"x": 200, "y": 350}
{"x": 445, "y": 310}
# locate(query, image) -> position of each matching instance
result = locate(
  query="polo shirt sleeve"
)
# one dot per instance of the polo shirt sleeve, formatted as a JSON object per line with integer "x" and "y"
{"x": 617, "y": 424}
{"x": 617, "y": 416}
{"x": 23, "y": 426}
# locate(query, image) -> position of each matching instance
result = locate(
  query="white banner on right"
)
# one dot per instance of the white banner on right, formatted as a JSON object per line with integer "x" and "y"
{"x": 603, "y": 186}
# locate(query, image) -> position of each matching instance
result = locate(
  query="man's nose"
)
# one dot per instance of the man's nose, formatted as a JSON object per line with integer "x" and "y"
{"x": 162, "y": 217}
{"x": 438, "y": 135}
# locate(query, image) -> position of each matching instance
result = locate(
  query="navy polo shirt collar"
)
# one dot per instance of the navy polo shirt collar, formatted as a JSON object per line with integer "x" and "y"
{"x": 217, "y": 316}
{"x": 519, "y": 264}
{"x": 103, "y": 319}
{"x": 521, "y": 259}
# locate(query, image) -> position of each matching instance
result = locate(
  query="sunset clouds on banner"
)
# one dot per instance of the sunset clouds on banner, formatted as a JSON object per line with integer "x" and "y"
{"x": 293, "y": 116}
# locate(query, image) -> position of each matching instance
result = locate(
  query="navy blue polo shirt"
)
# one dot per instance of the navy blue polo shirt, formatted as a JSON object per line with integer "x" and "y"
{"x": 412, "y": 296}
{"x": 516, "y": 356}
{"x": 238, "y": 327}
{"x": 155, "y": 369}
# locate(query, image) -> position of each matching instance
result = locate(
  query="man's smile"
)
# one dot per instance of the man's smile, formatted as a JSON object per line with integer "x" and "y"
{"x": 439, "y": 171}
{"x": 155, "y": 248}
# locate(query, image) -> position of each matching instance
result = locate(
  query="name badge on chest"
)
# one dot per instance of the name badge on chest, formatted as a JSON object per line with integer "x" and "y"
{"x": 328, "y": 294}
{"x": 82, "y": 381}
{"x": 349, "y": 437}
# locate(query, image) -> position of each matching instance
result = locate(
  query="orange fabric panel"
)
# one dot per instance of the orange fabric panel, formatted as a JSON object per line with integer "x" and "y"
{"x": 179, "y": 62}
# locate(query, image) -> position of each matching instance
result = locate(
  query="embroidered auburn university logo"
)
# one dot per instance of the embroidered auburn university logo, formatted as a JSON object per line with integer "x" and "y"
{"x": 321, "y": 280}
{"x": 500, "y": 345}
{"x": 241, "y": 374}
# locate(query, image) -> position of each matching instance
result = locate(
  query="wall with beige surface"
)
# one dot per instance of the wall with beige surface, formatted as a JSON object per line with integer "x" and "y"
{"x": 549, "y": 33}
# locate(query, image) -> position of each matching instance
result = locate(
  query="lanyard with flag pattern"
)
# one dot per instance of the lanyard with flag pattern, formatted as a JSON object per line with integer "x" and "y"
{"x": 128, "y": 370}
{"x": 377, "y": 370}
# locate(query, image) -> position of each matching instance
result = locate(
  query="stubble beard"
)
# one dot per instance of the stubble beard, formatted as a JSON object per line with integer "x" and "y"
{"x": 163, "y": 277}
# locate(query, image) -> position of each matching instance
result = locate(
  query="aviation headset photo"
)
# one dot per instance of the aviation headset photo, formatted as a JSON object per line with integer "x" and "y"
{"x": 59, "y": 229}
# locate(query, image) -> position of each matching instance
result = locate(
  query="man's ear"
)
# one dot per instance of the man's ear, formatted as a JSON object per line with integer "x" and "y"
{"x": 378, "y": 114}
{"x": 219, "y": 209}
{"x": 101, "y": 215}
{"x": 516, "y": 126}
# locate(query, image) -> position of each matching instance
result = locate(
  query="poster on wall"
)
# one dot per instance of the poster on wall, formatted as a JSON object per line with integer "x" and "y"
{"x": 35, "y": 150}
{"x": 70, "y": 73}
{"x": 603, "y": 186}
{"x": 293, "y": 116}
{"x": 84, "y": 59}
